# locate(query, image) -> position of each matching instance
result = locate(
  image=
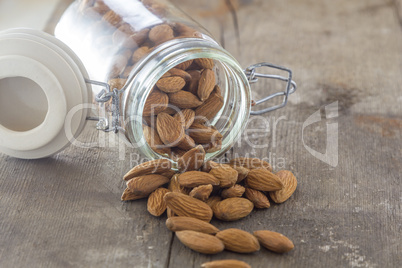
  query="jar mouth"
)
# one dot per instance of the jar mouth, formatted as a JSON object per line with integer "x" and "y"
{"x": 231, "y": 120}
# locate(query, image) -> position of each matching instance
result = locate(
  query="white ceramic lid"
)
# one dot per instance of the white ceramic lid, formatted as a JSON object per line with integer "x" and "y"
{"x": 43, "y": 94}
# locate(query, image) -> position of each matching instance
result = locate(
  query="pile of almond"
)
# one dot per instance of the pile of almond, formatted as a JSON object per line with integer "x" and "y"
{"x": 179, "y": 108}
{"x": 201, "y": 191}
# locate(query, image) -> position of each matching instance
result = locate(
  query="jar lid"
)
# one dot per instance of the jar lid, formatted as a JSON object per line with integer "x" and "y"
{"x": 43, "y": 94}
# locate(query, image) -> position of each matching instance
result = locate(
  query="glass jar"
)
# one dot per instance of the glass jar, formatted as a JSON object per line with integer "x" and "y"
{"x": 126, "y": 47}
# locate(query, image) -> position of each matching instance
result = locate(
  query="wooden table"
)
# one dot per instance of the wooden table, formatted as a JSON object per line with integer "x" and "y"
{"x": 65, "y": 211}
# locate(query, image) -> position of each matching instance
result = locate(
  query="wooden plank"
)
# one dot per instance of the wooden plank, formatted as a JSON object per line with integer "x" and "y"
{"x": 65, "y": 210}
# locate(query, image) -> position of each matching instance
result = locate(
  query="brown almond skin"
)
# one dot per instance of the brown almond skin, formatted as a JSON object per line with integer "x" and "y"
{"x": 156, "y": 204}
{"x": 225, "y": 174}
{"x": 193, "y": 84}
{"x": 213, "y": 200}
{"x": 154, "y": 141}
{"x": 160, "y": 33}
{"x": 169, "y": 129}
{"x": 203, "y": 134}
{"x": 234, "y": 191}
{"x": 184, "y": 205}
{"x": 187, "y": 143}
{"x": 156, "y": 102}
{"x": 192, "y": 160}
{"x": 171, "y": 84}
{"x": 196, "y": 178}
{"x": 201, "y": 192}
{"x": 263, "y": 180}
{"x": 201, "y": 242}
{"x": 205, "y": 63}
{"x": 174, "y": 185}
{"x": 176, "y": 224}
{"x": 206, "y": 111}
{"x": 259, "y": 199}
{"x": 185, "y": 117}
{"x": 232, "y": 209}
{"x": 239, "y": 241}
{"x": 144, "y": 185}
{"x": 242, "y": 173}
{"x": 129, "y": 196}
{"x": 274, "y": 241}
{"x": 154, "y": 166}
{"x": 184, "y": 65}
{"x": 225, "y": 264}
{"x": 289, "y": 186}
{"x": 181, "y": 73}
{"x": 206, "y": 84}
{"x": 184, "y": 99}
{"x": 250, "y": 163}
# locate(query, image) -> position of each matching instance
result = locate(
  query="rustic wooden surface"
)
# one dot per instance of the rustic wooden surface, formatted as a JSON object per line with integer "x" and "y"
{"x": 65, "y": 211}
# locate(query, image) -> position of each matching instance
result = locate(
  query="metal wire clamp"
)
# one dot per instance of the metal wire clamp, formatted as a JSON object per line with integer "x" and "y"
{"x": 104, "y": 96}
{"x": 253, "y": 76}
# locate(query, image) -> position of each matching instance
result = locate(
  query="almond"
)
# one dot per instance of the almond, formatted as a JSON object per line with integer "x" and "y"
{"x": 156, "y": 204}
{"x": 140, "y": 37}
{"x": 154, "y": 141}
{"x": 171, "y": 84}
{"x": 184, "y": 99}
{"x": 225, "y": 174}
{"x": 177, "y": 224}
{"x": 117, "y": 83}
{"x": 184, "y": 205}
{"x": 201, "y": 192}
{"x": 234, "y": 191}
{"x": 129, "y": 196}
{"x": 192, "y": 160}
{"x": 259, "y": 199}
{"x": 250, "y": 163}
{"x": 156, "y": 102}
{"x": 208, "y": 166}
{"x": 168, "y": 174}
{"x": 263, "y": 180}
{"x": 206, "y": 84}
{"x": 193, "y": 84}
{"x": 289, "y": 186}
{"x": 184, "y": 65}
{"x": 175, "y": 186}
{"x": 144, "y": 185}
{"x": 203, "y": 134}
{"x": 213, "y": 147}
{"x": 112, "y": 18}
{"x": 205, "y": 63}
{"x": 177, "y": 153}
{"x": 185, "y": 117}
{"x": 242, "y": 172}
{"x": 213, "y": 200}
{"x": 187, "y": 143}
{"x": 200, "y": 242}
{"x": 239, "y": 241}
{"x": 206, "y": 111}
{"x": 139, "y": 54}
{"x": 232, "y": 209}
{"x": 154, "y": 166}
{"x": 196, "y": 178}
{"x": 274, "y": 241}
{"x": 180, "y": 73}
{"x": 161, "y": 33}
{"x": 225, "y": 264}
{"x": 169, "y": 129}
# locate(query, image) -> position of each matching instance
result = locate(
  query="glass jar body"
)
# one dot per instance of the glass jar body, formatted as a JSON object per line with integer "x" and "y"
{"x": 133, "y": 44}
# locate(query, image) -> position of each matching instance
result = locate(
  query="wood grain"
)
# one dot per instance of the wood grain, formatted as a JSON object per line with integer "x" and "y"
{"x": 66, "y": 211}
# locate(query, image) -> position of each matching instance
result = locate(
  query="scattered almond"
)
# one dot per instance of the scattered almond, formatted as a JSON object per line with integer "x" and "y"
{"x": 176, "y": 224}
{"x": 201, "y": 192}
{"x": 192, "y": 160}
{"x": 156, "y": 204}
{"x": 234, "y": 191}
{"x": 150, "y": 167}
{"x": 144, "y": 185}
{"x": 225, "y": 174}
{"x": 274, "y": 241}
{"x": 196, "y": 178}
{"x": 184, "y": 205}
{"x": 238, "y": 240}
{"x": 259, "y": 199}
{"x": 232, "y": 209}
{"x": 225, "y": 264}
{"x": 289, "y": 186}
{"x": 263, "y": 180}
{"x": 201, "y": 242}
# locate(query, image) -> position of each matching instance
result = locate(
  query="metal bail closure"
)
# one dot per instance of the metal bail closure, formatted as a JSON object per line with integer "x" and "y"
{"x": 253, "y": 76}
{"x": 104, "y": 96}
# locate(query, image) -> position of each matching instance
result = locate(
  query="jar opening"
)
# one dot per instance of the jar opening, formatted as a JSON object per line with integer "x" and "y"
{"x": 23, "y": 103}
{"x": 230, "y": 120}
